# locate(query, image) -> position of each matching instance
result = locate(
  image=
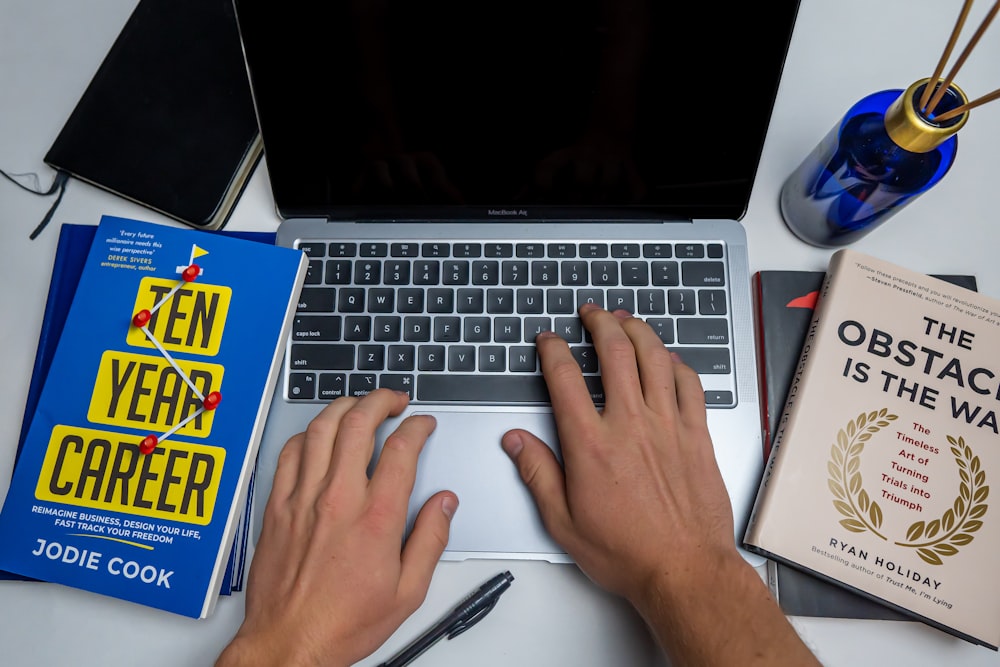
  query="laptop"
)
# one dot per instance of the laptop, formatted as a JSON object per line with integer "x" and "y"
{"x": 464, "y": 175}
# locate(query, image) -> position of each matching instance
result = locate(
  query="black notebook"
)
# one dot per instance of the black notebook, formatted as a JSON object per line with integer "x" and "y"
{"x": 168, "y": 121}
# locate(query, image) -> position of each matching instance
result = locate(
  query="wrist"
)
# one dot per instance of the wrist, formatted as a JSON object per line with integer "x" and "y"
{"x": 684, "y": 602}
{"x": 713, "y": 577}
{"x": 257, "y": 651}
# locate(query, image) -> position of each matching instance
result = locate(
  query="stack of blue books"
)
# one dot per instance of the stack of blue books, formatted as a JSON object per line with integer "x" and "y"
{"x": 71, "y": 254}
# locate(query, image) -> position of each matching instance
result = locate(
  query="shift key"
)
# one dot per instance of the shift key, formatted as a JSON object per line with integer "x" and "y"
{"x": 706, "y": 360}
{"x": 322, "y": 356}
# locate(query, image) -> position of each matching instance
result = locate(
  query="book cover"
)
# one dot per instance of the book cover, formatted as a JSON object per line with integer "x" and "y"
{"x": 168, "y": 120}
{"x": 67, "y": 265}
{"x": 879, "y": 472}
{"x": 878, "y": 476}
{"x": 164, "y": 322}
{"x": 784, "y": 301}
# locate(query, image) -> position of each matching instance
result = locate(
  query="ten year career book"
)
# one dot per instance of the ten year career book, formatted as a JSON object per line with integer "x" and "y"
{"x": 880, "y": 470}
{"x": 134, "y": 472}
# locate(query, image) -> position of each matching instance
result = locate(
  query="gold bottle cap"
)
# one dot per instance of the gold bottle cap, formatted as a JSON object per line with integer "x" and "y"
{"x": 912, "y": 131}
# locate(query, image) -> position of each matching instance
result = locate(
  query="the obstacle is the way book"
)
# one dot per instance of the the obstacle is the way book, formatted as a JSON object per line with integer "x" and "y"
{"x": 880, "y": 470}
{"x": 136, "y": 464}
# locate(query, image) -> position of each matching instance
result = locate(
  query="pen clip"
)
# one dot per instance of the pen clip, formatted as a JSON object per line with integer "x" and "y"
{"x": 462, "y": 626}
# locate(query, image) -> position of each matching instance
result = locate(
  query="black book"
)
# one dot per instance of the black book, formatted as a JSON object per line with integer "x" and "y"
{"x": 784, "y": 302}
{"x": 168, "y": 120}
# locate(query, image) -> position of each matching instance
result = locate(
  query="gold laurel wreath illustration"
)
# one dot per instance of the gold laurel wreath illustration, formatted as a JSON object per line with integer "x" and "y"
{"x": 865, "y": 515}
{"x": 851, "y": 499}
{"x": 963, "y": 519}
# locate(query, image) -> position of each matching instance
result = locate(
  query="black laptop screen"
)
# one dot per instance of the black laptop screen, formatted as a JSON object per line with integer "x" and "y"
{"x": 513, "y": 108}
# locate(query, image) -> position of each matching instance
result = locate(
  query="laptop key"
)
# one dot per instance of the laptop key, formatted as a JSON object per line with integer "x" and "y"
{"x": 316, "y": 300}
{"x": 313, "y": 249}
{"x": 703, "y": 330}
{"x": 306, "y": 327}
{"x": 332, "y": 386}
{"x": 706, "y": 360}
{"x": 302, "y": 386}
{"x": 361, "y": 384}
{"x": 718, "y": 398}
{"x": 323, "y": 356}
{"x": 483, "y": 388}
{"x": 397, "y": 381}
{"x": 709, "y": 274}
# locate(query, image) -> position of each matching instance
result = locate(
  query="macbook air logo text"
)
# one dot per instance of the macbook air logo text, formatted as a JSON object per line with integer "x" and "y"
{"x": 508, "y": 211}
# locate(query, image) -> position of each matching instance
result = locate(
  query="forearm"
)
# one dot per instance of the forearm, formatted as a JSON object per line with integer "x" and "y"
{"x": 719, "y": 613}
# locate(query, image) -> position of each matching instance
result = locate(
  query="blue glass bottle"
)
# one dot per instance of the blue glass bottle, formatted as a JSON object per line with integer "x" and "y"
{"x": 881, "y": 156}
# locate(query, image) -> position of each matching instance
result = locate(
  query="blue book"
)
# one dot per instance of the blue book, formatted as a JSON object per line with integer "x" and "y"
{"x": 133, "y": 477}
{"x": 71, "y": 254}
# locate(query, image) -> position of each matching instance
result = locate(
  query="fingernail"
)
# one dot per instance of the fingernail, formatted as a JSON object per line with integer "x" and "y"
{"x": 512, "y": 444}
{"x": 448, "y": 505}
{"x": 676, "y": 358}
{"x": 622, "y": 314}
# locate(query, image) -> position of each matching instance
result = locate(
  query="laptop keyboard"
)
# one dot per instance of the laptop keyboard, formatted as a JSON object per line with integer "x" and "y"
{"x": 455, "y": 323}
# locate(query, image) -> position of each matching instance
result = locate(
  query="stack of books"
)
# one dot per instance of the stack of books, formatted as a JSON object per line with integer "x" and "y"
{"x": 133, "y": 477}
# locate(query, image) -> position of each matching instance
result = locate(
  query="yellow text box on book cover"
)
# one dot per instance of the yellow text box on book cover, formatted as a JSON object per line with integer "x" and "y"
{"x": 104, "y": 470}
{"x": 191, "y": 320}
{"x": 146, "y": 392}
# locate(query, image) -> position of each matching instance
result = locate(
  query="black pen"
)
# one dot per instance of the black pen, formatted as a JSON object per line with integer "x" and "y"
{"x": 469, "y": 611}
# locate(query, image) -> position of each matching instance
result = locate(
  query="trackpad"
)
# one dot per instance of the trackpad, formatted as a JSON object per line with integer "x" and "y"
{"x": 497, "y": 517}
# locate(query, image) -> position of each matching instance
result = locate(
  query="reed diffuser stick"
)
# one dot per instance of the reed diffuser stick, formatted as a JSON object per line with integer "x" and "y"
{"x": 945, "y": 55}
{"x": 959, "y": 110}
{"x": 946, "y": 84}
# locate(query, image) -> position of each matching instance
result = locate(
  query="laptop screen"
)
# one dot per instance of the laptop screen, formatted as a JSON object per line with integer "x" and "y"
{"x": 539, "y": 109}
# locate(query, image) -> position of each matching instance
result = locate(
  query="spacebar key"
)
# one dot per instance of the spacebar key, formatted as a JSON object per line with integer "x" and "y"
{"x": 482, "y": 388}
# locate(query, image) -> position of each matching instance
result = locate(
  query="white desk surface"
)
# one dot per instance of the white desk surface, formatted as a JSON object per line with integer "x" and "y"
{"x": 552, "y": 615}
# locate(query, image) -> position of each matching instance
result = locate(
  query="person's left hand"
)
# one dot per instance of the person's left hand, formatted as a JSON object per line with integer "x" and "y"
{"x": 330, "y": 580}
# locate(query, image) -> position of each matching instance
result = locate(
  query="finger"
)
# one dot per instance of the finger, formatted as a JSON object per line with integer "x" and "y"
{"x": 619, "y": 370}
{"x": 690, "y": 393}
{"x": 425, "y": 545}
{"x": 656, "y": 372}
{"x": 317, "y": 443}
{"x": 572, "y": 406}
{"x": 277, "y": 528}
{"x": 394, "y": 474}
{"x": 355, "y": 443}
{"x": 541, "y": 473}
{"x": 286, "y": 472}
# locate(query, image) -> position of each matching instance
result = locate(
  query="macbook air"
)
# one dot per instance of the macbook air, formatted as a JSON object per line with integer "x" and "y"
{"x": 465, "y": 175}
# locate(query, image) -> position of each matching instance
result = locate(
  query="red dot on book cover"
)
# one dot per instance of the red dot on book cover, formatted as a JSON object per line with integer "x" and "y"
{"x": 191, "y": 272}
{"x": 141, "y": 318}
{"x": 212, "y": 401}
{"x": 148, "y": 444}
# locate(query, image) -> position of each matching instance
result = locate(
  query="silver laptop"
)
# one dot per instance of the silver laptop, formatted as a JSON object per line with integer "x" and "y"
{"x": 463, "y": 176}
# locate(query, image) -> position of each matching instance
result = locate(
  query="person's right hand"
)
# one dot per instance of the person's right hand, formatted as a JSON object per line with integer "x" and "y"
{"x": 641, "y": 495}
{"x": 639, "y": 502}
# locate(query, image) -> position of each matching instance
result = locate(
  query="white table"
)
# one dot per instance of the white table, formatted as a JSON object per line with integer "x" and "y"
{"x": 552, "y": 615}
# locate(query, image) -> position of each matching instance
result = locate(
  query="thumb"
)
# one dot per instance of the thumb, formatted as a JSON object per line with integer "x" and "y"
{"x": 543, "y": 475}
{"x": 427, "y": 541}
